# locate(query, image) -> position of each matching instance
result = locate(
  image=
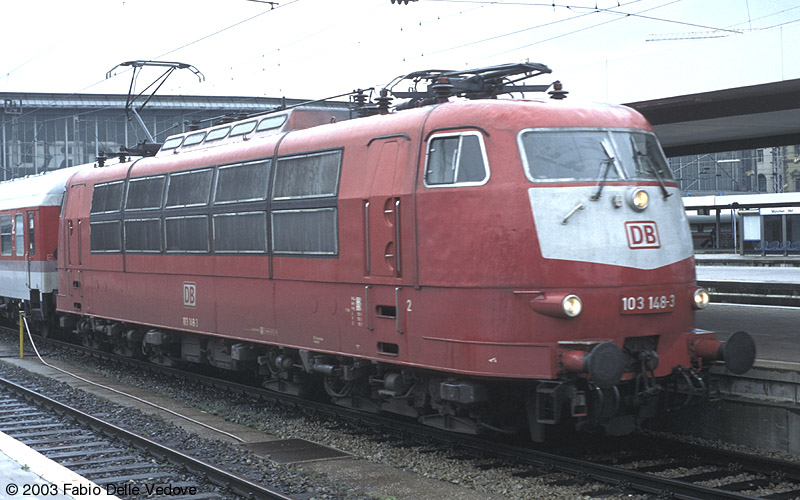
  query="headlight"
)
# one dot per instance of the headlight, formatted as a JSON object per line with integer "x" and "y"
{"x": 572, "y": 305}
{"x": 701, "y": 298}
{"x": 638, "y": 199}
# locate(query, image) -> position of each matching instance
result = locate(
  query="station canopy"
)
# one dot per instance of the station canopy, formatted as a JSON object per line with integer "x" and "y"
{"x": 752, "y": 117}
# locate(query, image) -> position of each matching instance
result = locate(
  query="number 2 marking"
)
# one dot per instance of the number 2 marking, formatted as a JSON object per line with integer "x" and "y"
{"x": 408, "y": 302}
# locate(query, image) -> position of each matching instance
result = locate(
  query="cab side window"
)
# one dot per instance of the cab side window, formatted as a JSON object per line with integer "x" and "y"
{"x": 456, "y": 160}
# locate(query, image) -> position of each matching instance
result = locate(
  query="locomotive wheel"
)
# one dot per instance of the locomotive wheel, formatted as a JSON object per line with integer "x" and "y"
{"x": 335, "y": 387}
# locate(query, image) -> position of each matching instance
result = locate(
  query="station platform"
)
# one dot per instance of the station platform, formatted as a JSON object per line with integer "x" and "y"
{"x": 750, "y": 279}
{"x": 27, "y": 474}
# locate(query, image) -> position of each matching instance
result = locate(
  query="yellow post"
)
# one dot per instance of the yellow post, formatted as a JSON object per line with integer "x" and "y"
{"x": 21, "y": 328}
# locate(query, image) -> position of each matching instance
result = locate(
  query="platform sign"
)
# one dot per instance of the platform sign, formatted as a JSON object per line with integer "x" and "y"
{"x": 780, "y": 211}
{"x": 751, "y": 227}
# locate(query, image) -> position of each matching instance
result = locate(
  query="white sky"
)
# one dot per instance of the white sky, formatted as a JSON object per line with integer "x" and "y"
{"x": 316, "y": 48}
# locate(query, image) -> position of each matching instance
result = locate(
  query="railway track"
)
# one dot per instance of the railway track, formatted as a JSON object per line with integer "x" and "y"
{"x": 118, "y": 461}
{"x": 670, "y": 470}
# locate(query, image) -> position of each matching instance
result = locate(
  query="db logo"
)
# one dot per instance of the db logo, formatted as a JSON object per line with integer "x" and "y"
{"x": 642, "y": 234}
{"x": 189, "y": 294}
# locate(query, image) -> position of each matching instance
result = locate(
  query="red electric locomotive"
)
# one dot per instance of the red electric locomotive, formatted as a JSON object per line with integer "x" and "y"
{"x": 475, "y": 263}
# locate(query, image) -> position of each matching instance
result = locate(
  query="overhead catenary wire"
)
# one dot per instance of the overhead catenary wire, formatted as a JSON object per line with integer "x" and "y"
{"x": 198, "y": 40}
{"x": 517, "y": 32}
{"x": 580, "y": 29}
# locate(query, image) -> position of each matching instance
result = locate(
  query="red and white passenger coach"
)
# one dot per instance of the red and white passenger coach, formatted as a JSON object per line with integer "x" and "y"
{"x": 481, "y": 264}
{"x": 29, "y": 210}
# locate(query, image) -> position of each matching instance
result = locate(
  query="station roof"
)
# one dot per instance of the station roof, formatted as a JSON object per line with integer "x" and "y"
{"x": 55, "y": 101}
{"x": 742, "y": 201}
{"x": 740, "y": 118}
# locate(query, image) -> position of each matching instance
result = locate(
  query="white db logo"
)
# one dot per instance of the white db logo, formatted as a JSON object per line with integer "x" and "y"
{"x": 642, "y": 234}
{"x": 189, "y": 294}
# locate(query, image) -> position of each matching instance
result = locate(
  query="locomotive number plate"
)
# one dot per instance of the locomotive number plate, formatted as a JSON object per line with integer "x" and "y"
{"x": 646, "y": 304}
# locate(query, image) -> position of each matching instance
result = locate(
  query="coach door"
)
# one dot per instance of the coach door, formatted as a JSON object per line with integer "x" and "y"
{"x": 383, "y": 209}
{"x": 29, "y": 227}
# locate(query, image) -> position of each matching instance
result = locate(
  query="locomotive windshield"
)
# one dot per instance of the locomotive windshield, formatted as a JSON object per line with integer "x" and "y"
{"x": 589, "y": 155}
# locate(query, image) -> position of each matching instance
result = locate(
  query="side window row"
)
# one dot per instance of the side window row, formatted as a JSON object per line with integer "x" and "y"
{"x": 294, "y": 232}
{"x": 223, "y": 209}
{"x": 297, "y": 177}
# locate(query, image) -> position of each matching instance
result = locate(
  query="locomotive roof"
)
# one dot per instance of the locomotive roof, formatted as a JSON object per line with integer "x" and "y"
{"x": 534, "y": 113}
{"x": 251, "y": 127}
{"x": 42, "y": 190}
{"x": 556, "y": 113}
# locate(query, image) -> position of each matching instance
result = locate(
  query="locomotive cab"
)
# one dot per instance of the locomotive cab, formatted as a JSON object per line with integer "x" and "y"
{"x": 609, "y": 218}
{"x": 569, "y": 262}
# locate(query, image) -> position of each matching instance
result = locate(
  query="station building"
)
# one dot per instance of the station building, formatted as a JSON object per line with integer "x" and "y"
{"x": 42, "y": 132}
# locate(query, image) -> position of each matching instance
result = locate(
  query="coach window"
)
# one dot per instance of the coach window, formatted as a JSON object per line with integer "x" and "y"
{"x": 172, "y": 143}
{"x": 189, "y": 189}
{"x": 107, "y": 198}
{"x": 187, "y": 234}
{"x": 145, "y": 193}
{"x": 308, "y": 176}
{"x": 456, "y": 160}
{"x": 104, "y": 236}
{"x": 31, "y": 233}
{"x": 5, "y": 235}
{"x": 305, "y": 232}
{"x": 271, "y": 123}
{"x": 217, "y": 134}
{"x": 19, "y": 221}
{"x": 143, "y": 235}
{"x": 241, "y": 183}
{"x": 304, "y": 213}
{"x": 193, "y": 139}
{"x": 243, "y": 128}
{"x": 243, "y": 232}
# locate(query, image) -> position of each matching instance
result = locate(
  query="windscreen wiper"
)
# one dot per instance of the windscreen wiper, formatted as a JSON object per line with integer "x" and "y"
{"x": 607, "y": 163}
{"x": 637, "y": 155}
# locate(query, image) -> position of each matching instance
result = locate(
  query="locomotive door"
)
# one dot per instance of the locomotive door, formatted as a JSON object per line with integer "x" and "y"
{"x": 383, "y": 209}
{"x": 74, "y": 234}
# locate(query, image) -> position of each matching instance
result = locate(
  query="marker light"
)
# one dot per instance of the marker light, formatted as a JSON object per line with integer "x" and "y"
{"x": 701, "y": 298}
{"x": 572, "y": 305}
{"x": 639, "y": 199}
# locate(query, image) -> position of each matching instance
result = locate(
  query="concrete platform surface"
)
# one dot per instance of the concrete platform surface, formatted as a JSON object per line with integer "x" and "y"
{"x": 771, "y": 274}
{"x": 27, "y": 474}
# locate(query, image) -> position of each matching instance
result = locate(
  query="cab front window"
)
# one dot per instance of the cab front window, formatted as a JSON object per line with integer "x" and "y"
{"x": 588, "y": 155}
